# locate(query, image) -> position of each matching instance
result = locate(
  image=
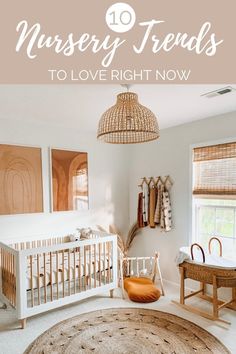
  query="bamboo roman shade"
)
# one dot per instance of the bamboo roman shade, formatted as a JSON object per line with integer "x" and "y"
{"x": 214, "y": 169}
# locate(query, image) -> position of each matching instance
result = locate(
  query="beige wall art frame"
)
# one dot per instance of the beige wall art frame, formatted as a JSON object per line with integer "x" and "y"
{"x": 69, "y": 174}
{"x": 21, "y": 186}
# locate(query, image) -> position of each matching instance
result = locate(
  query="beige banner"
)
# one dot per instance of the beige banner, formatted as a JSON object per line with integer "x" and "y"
{"x": 70, "y": 42}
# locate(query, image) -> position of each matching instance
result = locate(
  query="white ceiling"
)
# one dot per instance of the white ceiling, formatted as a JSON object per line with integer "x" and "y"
{"x": 81, "y": 106}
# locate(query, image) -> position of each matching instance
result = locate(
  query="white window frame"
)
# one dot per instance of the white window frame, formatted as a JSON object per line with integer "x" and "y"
{"x": 192, "y": 237}
{"x": 198, "y": 205}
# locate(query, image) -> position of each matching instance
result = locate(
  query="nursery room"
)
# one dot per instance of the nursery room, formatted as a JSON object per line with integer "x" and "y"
{"x": 117, "y": 219}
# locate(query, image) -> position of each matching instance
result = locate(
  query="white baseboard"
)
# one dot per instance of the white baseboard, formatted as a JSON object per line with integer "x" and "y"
{"x": 176, "y": 285}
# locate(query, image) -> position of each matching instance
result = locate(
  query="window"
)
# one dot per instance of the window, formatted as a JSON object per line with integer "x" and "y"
{"x": 214, "y": 196}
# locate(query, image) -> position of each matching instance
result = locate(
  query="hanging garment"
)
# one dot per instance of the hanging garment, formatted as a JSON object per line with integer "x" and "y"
{"x": 145, "y": 203}
{"x": 167, "y": 211}
{"x": 152, "y": 205}
{"x": 157, "y": 216}
{"x": 162, "y": 221}
{"x": 140, "y": 210}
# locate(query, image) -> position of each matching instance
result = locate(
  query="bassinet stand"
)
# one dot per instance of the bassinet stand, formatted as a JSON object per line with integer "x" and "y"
{"x": 217, "y": 277}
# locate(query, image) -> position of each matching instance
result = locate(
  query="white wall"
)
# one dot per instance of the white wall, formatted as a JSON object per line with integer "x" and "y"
{"x": 170, "y": 155}
{"x": 108, "y": 183}
{"x": 114, "y": 173}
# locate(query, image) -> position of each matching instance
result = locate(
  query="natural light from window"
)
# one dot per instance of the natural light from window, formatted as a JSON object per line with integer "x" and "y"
{"x": 216, "y": 217}
{"x": 214, "y": 196}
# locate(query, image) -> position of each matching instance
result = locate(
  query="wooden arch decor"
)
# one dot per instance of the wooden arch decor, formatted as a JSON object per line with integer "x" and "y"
{"x": 69, "y": 171}
{"x": 21, "y": 189}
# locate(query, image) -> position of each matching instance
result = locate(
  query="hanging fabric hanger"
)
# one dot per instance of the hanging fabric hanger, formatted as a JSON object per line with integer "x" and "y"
{"x": 144, "y": 180}
{"x": 167, "y": 181}
{"x": 151, "y": 181}
{"x": 155, "y": 182}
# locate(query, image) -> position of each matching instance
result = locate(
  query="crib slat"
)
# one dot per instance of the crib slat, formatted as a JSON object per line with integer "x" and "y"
{"x": 79, "y": 270}
{"x": 10, "y": 278}
{"x": 31, "y": 281}
{"x": 99, "y": 264}
{"x": 8, "y": 283}
{"x": 90, "y": 267}
{"x": 38, "y": 279}
{"x": 14, "y": 272}
{"x": 51, "y": 284}
{"x": 3, "y": 271}
{"x": 57, "y": 275}
{"x": 9, "y": 275}
{"x": 45, "y": 278}
{"x": 95, "y": 266}
{"x": 104, "y": 261}
{"x": 74, "y": 270}
{"x": 68, "y": 272}
{"x": 85, "y": 267}
{"x": 108, "y": 262}
{"x": 63, "y": 274}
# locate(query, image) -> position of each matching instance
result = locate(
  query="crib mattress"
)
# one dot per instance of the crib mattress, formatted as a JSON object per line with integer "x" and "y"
{"x": 211, "y": 260}
{"x": 70, "y": 272}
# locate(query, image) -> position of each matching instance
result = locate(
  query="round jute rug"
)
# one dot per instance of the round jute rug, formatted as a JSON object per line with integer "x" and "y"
{"x": 126, "y": 331}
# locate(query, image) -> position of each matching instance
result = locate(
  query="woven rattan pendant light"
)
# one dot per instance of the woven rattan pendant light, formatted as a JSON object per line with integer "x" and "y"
{"x": 128, "y": 122}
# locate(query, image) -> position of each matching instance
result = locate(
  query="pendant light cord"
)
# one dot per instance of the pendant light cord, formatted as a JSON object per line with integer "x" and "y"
{"x": 126, "y": 86}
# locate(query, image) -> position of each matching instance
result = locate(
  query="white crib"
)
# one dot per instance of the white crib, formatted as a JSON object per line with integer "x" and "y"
{"x": 38, "y": 276}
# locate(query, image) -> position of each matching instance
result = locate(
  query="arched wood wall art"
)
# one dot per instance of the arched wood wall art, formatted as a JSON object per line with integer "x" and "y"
{"x": 21, "y": 189}
{"x": 69, "y": 170}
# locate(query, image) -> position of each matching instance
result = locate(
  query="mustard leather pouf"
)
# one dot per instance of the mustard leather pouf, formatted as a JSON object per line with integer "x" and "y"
{"x": 141, "y": 290}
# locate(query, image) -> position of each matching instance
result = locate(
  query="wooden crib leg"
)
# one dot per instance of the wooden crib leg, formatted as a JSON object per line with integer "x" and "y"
{"x": 23, "y": 323}
{"x": 111, "y": 293}
{"x": 182, "y": 289}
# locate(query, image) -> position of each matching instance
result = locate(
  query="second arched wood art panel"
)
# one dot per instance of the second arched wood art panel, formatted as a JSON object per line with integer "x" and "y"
{"x": 69, "y": 170}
